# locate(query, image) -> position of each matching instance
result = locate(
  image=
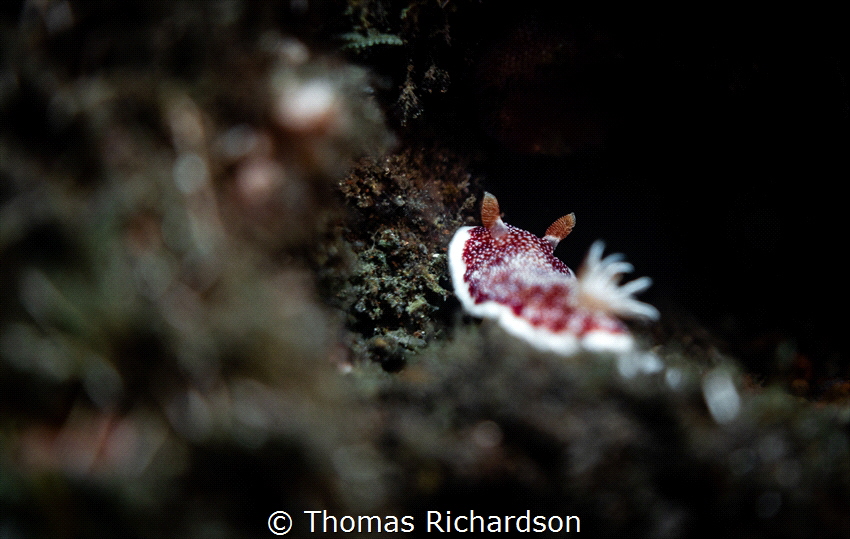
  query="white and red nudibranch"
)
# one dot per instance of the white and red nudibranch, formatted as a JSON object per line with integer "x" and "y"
{"x": 499, "y": 271}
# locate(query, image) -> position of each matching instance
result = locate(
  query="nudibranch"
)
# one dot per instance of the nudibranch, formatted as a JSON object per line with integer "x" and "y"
{"x": 499, "y": 271}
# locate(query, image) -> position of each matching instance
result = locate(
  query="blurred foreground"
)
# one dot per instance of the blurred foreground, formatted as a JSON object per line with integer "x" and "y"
{"x": 224, "y": 294}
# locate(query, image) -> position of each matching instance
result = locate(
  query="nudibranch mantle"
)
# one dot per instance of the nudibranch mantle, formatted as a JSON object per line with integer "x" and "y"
{"x": 505, "y": 273}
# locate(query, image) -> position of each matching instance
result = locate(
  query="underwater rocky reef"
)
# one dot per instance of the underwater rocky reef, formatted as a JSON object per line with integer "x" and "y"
{"x": 227, "y": 309}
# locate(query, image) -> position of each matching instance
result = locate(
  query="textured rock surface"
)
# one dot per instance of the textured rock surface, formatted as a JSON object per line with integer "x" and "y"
{"x": 224, "y": 287}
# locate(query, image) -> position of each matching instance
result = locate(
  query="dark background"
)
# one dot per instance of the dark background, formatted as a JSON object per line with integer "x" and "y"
{"x": 709, "y": 147}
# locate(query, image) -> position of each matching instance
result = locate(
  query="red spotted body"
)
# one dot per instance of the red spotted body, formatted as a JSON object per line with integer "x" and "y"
{"x": 502, "y": 272}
